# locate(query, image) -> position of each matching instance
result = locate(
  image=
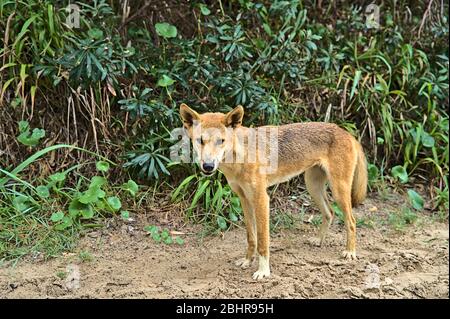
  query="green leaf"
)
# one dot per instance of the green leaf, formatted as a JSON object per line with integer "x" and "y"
{"x": 25, "y": 29}
{"x": 97, "y": 181}
{"x": 100, "y": 205}
{"x": 166, "y": 30}
{"x": 66, "y": 222}
{"x": 182, "y": 186}
{"x": 114, "y": 203}
{"x": 165, "y": 81}
{"x": 168, "y": 240}
{"x": 102, "y": 166}
{"x": 204, "y": 10}
{"x": 95, "y": 34}
{"x": 38, "y": 133}
{"x": 87, "y": 214}
{"x": 179, "y": 240}
{"x": 91, "y": 195}
{"x": 444, "y": 125}
{"x": 23, "y": 126}
{"x": 57, "y": 177}
{"x": 42, "y": 191}
{"x": 165, "y": 234}
{"x": 77, "y": 208}
{"x": 21, "y": 203}
{"x": 56, "y": 217}
{"x": 267, "y": 28}
{"x": 373, "y": 172}
{"x": 400, "y": 173}
{"x": 415, "y": 199}
{"x": 235, "y": 202}
{"x": 221, "y": 222}
{"x": 355, "y": 83}
{"x": 131, "y": 187}
{"x": 156, "y": 237}
{"x": 427, "y": 140}
{"x": 152, "y": 229}
{"x": 125, "y": 214}
{"x": 233, "y": 217}
{"x": 25, "y": 137}
{"x": 51, "y": 23}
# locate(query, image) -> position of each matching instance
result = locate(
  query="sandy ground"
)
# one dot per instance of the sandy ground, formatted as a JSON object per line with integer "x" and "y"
{"x": 126, "y": 263}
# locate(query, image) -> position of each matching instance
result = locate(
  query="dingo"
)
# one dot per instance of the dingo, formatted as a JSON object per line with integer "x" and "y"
{"x": 323, "y": 151}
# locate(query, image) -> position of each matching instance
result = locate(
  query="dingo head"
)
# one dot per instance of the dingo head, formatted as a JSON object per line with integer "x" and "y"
{"x": 211, "y": 134}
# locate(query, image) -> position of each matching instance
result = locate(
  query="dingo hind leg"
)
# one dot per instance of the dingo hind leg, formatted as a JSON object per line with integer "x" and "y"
{"x": 340, "y": 177}
{"x": 315, "y": 180}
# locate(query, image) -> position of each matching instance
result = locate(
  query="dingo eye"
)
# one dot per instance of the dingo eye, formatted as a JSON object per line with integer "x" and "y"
{"x": 200, "y": 141}
{"x": 220, "y": 141}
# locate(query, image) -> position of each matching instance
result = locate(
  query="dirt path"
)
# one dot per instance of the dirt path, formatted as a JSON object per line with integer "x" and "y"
{"x": 408, "y": 264}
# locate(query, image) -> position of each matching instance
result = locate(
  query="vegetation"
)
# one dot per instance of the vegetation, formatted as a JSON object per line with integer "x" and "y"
{"x": 86, "y": 108}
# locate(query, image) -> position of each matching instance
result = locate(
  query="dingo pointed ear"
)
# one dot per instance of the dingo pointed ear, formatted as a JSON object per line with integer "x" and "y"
{"x": 234, "y": 117}
{"x": 188, "y": 115}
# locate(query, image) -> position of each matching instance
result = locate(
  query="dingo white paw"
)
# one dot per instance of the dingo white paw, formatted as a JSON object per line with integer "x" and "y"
{"x": 263, "y": 268}
{"x": 260, "y": 274}
{"x": 349, "y": 255}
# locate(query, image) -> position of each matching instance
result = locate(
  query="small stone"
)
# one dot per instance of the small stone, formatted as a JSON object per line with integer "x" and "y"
{"x": 388, "y": 281}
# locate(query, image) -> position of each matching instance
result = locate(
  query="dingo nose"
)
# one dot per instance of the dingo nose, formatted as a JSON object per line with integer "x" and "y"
{"x": 208, "y": 167}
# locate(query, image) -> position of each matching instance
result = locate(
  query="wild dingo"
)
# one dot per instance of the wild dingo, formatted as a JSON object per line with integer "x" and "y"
{"x": 323, "y": 151}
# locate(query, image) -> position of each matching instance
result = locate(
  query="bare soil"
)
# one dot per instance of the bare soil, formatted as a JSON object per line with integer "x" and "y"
{"x": 126, "y": 263}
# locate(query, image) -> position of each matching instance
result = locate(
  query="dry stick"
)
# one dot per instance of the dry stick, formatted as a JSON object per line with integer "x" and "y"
{"x": 87, "y": 107}
{"x": 69, "y": 102}
{"x": 424, "y": 18}
{"x": 6, "y": 39}
{"x": 101, "y": 118}
{"x": 135, "y": 15}
{"x": 125, "y": 11}
{"x": 108, "y": 103}
{"x": 93, "y": 118}
{"x": 140, "y": 12}
{"x": 77, "y": 100}
{"x": 5, "y": 53}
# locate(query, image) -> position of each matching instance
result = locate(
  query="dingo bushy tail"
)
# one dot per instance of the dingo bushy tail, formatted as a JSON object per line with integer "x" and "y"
{"x": 359, "y": 185}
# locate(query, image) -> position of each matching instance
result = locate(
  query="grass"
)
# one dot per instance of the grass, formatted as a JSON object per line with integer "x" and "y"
{"x": 285, "y": 220}
{"x": 85, "y": 256}
{"x": 61, "y": 275}
{"x": 401, "y": 219}
{"x": 44, "y": 216}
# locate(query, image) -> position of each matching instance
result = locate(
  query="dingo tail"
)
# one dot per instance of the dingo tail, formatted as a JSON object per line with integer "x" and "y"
{"x": 359, "y": 185}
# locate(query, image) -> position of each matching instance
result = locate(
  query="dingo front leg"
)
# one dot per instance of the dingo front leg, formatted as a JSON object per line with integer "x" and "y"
{"x": 250, "y": 225}
{"x": 261, "y": 200}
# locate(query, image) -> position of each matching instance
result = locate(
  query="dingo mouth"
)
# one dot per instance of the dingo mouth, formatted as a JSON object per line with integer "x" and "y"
{"x": 207, "y": 174}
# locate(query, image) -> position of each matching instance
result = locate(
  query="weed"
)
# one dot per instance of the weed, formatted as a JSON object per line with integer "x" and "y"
{"x": 211, "y": 203}
{"x": 61, "y": 275}
{"x": 45, "y": 219}
{"x": 162, "y": 235}
{"x": 85, "y": 256}
{"x": 284, "y": 220}
{"x": 399, "y": 220}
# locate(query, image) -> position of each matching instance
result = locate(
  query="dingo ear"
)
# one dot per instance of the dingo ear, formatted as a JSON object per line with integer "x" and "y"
{"x": 188, "y": 115}
{"x": 234, "y": 117}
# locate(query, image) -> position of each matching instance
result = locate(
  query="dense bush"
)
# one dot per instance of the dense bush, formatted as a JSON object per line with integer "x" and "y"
{"x": 114, "y": 84}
